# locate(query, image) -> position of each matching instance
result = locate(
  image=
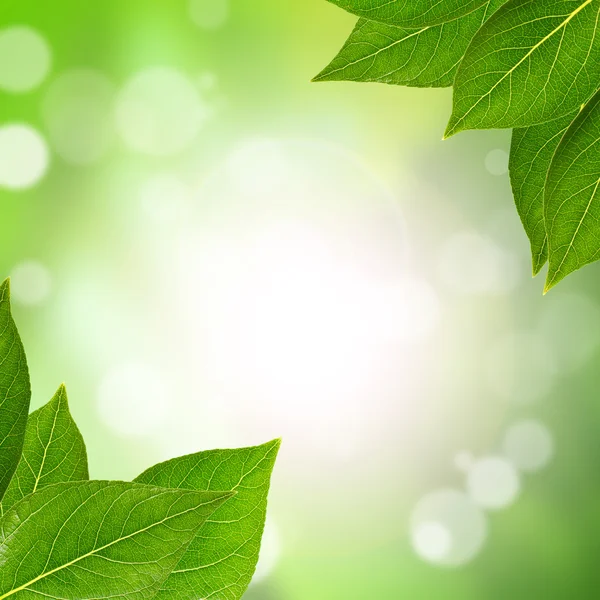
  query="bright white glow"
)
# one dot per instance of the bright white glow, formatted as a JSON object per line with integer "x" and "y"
{"x": 521, "y": 368}
{"x": 493, "y": 483}
{"x": 474, "y": 264}
{"x": 24, "y": 59}
{"x": 31, "y": 283}
{"x": 165, "y": 198}
{"x": 528, "y": 445}
{"x": 299, "y": 296}
{"x": 24, "y": 156}
{"x": 270, "y": 552}
{"x": 447, "y": 528}
{"x": 133, "y": 399}
{"x": 299, "y": 320}
{"x": 209, "y": 14}
{"x": 160, "y": 112}
{"x": 432, "y": 541}
{"x": 570, "y": 325}
{"x": 79, "y": 113}
{"x": 496, "y": 162}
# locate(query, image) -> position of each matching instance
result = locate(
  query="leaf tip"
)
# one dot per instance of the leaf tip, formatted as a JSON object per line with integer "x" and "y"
{"x": 451, "y": 130}
{"x": 324, "y": 75}
{"x": 549, "y": 285}
{"x": 536, "y": 267}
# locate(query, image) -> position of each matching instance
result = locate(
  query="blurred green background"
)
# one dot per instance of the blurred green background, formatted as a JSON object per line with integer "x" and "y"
{"x": 212, "y": 251}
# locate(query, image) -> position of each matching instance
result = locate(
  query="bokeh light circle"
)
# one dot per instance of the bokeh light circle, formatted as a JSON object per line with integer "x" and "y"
{"x": 496, "y": 162}
{"x": 493, "y": 483}
{"x": 31, "y": 283}
{"x": 209, "y": 14}
{"x": 78, "y": 110}
{"x": 529, "y": 445}
{"x": 160, "y": 111}
{"x": 432, "y": 541}
{"x": 448, "y": 528}
{"x": 25, "y": 59}
{"x": 24, "y": 156}
{"x": 133, "y": 399}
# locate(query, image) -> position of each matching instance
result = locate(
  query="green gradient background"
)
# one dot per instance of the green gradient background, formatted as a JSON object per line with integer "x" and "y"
{"x": 356, "y": 545}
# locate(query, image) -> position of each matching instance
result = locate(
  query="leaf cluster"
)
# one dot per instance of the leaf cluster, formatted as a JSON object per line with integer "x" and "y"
{"x": 185, "y": 529}
{"x": 528, "y": 65}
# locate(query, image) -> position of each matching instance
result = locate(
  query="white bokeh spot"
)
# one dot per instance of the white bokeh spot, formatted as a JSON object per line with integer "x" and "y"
{"x": 78, "y": 110}
{"x": 496, "y": 162}
{"x": 493, "y": 483}
{"x": 447, "y": 528}
{"x": 31, "y": 283}
{"x": 160, "y": 112}
{"x": 24, "y": 156}
{"x": 432, "y": 541}
{"x": 529, "y": 445}
{"x": 209, "y": 14}
{"x": 25, "y": 59}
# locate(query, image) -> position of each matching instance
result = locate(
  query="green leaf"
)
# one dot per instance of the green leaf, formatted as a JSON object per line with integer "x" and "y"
{"x": 425, "y": 57}
{"x": 533, "y": 61}
{"x": 98, "y": 539}
{"x": 221, "y": 560}
{"x": 410, "y": 13}
{"x": 15, "y": 391}
{"x": 572, "y": 197}
{"x": 54, "y": 451}
{"x": 531, "y": 153}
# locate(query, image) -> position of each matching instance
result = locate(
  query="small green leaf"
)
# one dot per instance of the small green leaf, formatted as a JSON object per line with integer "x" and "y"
{"x": 15, "y": 392}
{"x": 425, "y": 57}
{"x": 54, "y": 451}
{"x": 410, "y": 13}
{"x": 572, "y": 197}
{"x": 98, "y": 539}
{"x": 531, "y": 153}
{"x": 221, "y": 560}
{"x": 533, "y": 61}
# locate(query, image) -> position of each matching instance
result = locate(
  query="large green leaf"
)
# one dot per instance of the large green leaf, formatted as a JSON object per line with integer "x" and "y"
{"x": 410, "y": 13}
{"x": 15, "y": 391}
{"x": 531, "y": 153}
{"x": 424, "y": 57}
{"x": 98, "y": 539}
{"x": 572, "y": 197}
{"x": 221, "y": 560}
{"x": 54, "y": 451}
{"x": 532, "y": 62}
